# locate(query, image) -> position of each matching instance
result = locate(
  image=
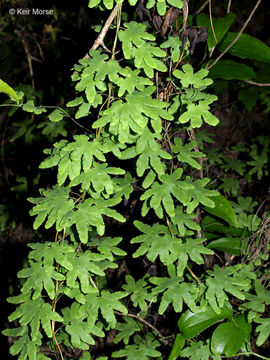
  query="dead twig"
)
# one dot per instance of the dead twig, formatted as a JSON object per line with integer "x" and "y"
{"x": 236, "y": 38}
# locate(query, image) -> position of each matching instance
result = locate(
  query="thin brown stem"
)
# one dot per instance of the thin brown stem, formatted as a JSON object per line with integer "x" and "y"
{"x": 236, "y": 38}
{"x": 256, "y": 83}
{"x": 211, "y": 20}
{"x": 202, "y": 7}
{"x": 229, "y": 6}
{"x": 117, "y": 29}
{"x": 104, "y": 30}
{"x": 185, "y": 15}
{"x": 146, "y": 323}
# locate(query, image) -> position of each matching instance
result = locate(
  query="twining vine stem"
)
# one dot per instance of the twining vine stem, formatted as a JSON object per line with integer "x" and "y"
{"x": 208, "y": 67}
{"x": 146, "y": 323}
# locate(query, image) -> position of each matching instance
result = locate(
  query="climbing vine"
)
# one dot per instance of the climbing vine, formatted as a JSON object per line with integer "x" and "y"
{"x": 139, "y": 170}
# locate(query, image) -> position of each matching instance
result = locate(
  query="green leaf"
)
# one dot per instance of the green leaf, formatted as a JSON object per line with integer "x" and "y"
{"x": 156, "y": 241}
{"x": 107, "y": 303}
{"x": 123, "y": 187}
{"x": 235, "y": 280}
{"x": 184, "y": 221}
{"x": 139, "y": 290}
{"x": 187, "y": 77}
{"x": 79, "y": 329}
{"x": 56, "y": 115}
{"x": 162, "y": 193}
{"x": 248, "y": 97}
{"x": 259, "y": 162}
{"x": 84, "y": 265}
{"x": 27, "y": 348}
{"x": 145, "y": 54}
{"x": 246, "y": 47}
{"x": 53, "y": 129}
{"x": 176, "y": 3}
{"x": 89, "y": 214}
{"x": 126, "y": 329}
{"x": 141, "y": 350}
{"x": 134, "y": 114}
{"x": 263, "y": 330}
{"x": 199, "y": 351}
{"x": 54, "y": 205}
{"x": 185, "y": 153}
{"x": 150, "y": 153}
{"x": 227, "y": 244}
{"x": 108, "y": 246}
{"x": 202, "y": 137}
{"x": 135, "y": 34}
{"x": 95, "y": 69}
{"x": 229, "y": 337}
{"x": 175, "y": 45}
{"x": 178, "y": 345}
{"x": 257, "y": 302}
{"x": 199, "y": 195}
{"x": 221, "y": 25}
{"x": 213, "y": 225}
{"x": 5, "y": 88}
{"x": 232, "y": 70}
{"x": 131, "y": 81}
{"x": 49, "y": 254}
{"x": 234, "y": 164}
{"x": 195, "y": 113}
{"x": 161, "y": 5}
{"x": 229, "y": 185}
{"x": 36, "y": 313}
{"x": 77, "y": 101}
{"x": 74, "y": 157}
{"x": 176, "y": 292}
{"x": 98, "y": 177}
{"x": 145, "y": 57}
{"x": 223, "y": 209}
{"x": 191, "y": 324}
{"x": 38, "y": 278}
{"x": 191, "y": 248}
{"x": 30, "y": 107}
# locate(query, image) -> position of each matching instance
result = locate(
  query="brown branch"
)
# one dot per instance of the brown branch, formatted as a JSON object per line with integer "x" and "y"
{"x": 146, "y": 323}
{"x": 100, "y": 39}
{"x": 229, "y": 6}
{"x": 236, "y": 38}
{"x": 211, "y": 20}
{"x": 185, "y": 14}
{"x": 256, "y": 83}
{"x": 202, "y": 7}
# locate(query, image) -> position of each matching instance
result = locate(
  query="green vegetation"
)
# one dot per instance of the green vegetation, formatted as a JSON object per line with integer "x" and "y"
{"x": 156, "y": 241}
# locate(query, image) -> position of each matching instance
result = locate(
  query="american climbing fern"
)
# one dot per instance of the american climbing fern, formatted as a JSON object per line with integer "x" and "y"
{"x": 135, "y": 101}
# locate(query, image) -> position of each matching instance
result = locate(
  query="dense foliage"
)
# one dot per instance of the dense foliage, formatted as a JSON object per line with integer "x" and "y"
{"x": 151, "y": 248}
